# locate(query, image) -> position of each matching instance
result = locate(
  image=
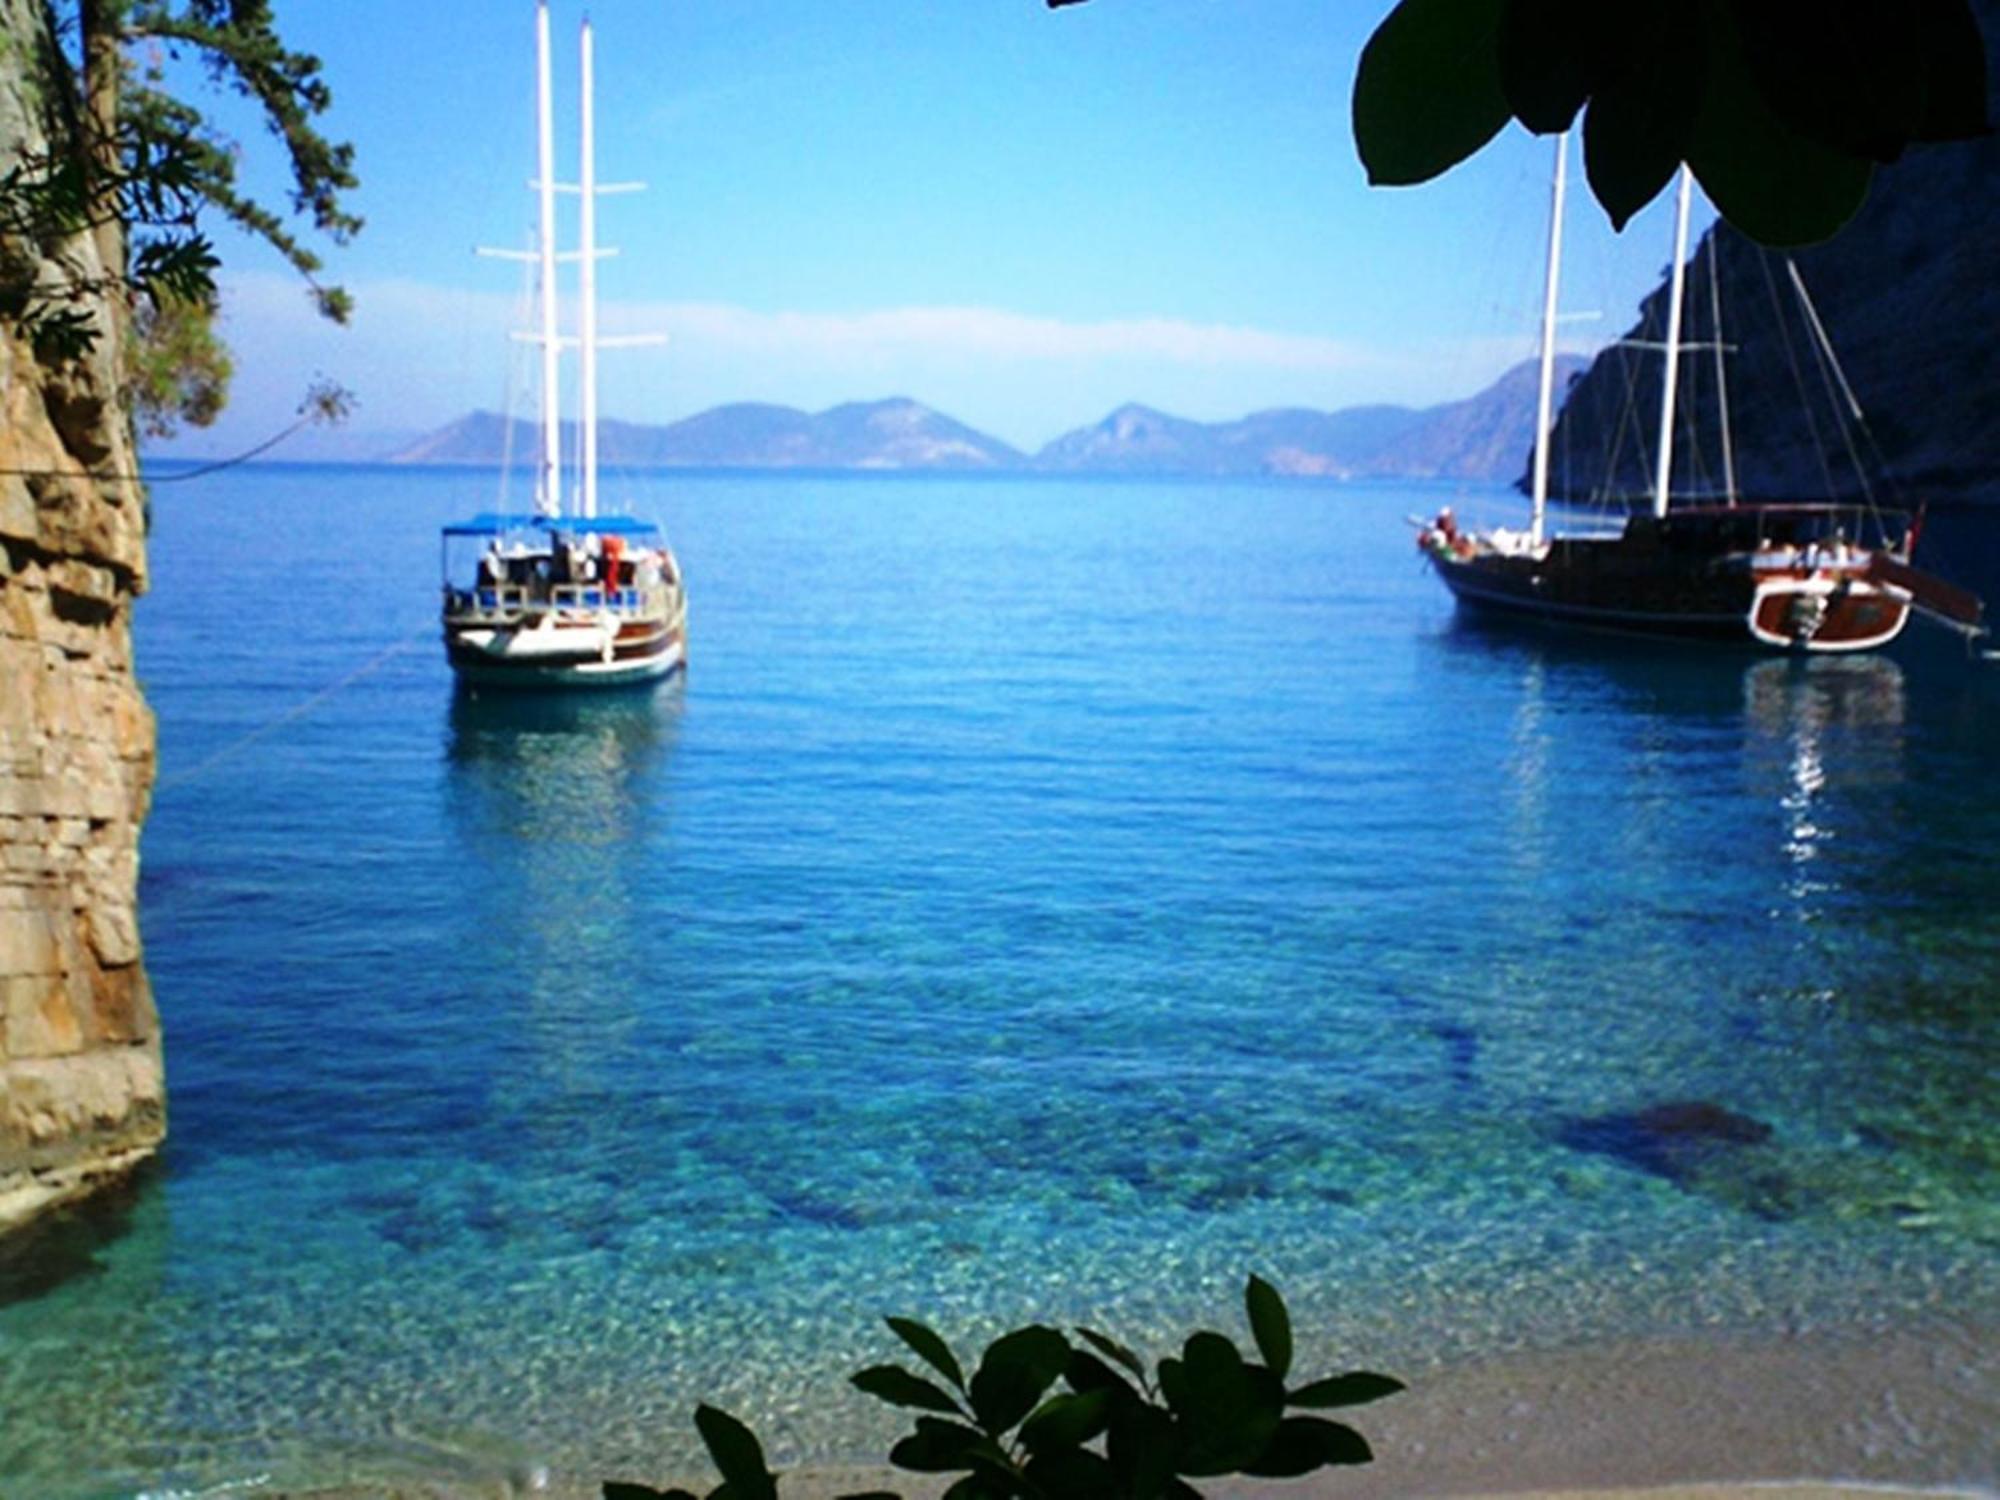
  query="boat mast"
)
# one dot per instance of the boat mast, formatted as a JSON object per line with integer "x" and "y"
{"x": 587, "y": 278}
{"x": 1721, "y": 365}
{"x": 1676, "y": 301}
{"x": 1545, "y": 409}
{"x": 548, "y": 494}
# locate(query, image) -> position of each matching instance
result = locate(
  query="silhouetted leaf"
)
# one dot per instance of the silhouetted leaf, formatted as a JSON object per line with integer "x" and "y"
{"x": 1303, "y": 1444}
{"x": 1072, "y": 1474}
{"x": 899, "y": 1387}
{"x": 618, "y": 1490}
{"x": 1086, "y": 1372}
{"x": 1770, "y": 181}
{"x": 1113, "y": 1350}
{"x": 1227, "y": 1411}
{"x": 1017, "y": 1369}
{"x": 928, "y": 1347}
{"x": 1357, "y": 1388}
{"x": 737, "y": 1454}
{"x": 1066, "y": 1421}
{"x": 1641, "y": 119}
{"x": 1144, "y": 1447}
{"x": 1867, "y": 77}
{"x": 1428, "y": 92}
{"x": 1551, "y": 54}
{"x": 1956, "y": 82}
{"x": 1270, "y": 1325}
{"x": 938, "y": 1447}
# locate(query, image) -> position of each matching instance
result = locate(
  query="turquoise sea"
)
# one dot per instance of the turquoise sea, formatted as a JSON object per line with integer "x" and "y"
{"x": 1041, "y": 899}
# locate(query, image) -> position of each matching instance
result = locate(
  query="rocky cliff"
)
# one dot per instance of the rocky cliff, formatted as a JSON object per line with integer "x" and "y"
{"x": 1910, "y": 297}
{"x": 81, "y": 1095}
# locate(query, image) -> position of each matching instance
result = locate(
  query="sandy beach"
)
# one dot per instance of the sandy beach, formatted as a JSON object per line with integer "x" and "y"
{"x": 1810, "y": 1416}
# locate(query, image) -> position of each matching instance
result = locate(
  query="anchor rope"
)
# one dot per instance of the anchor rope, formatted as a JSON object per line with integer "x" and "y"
{"x": 295, "y": 711}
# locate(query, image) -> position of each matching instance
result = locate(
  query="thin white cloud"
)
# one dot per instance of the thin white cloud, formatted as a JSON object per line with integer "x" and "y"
{"x": 992, "y": 332}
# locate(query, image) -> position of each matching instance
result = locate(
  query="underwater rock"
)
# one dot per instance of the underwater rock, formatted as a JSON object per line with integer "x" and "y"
{"x": 1675, "y": 1141}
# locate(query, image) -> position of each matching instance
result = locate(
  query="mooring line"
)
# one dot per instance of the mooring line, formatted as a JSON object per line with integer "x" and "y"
{"x": 296, "y": 711}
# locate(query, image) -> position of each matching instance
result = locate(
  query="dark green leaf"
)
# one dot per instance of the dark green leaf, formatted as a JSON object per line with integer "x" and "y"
{"x": 1858, "y": 75}
{"x": 618, "y": 1490}
{"x": 1303, "y": 1444}
{"x": 1356, "y": 1388}
{"x": 1018, "y": 1368}
{"x": 1955, "y": 76}
{"x": 1143, "y": 1446}
{"x": 1270, "y": 1325}
{"x": 938, "y": 1447}
{"x": 1072, "y": 1474}
{"x": 1428, "y": 92}
{"x": 1641, "y": 120}
{"x": 1771, "y": 182}
{"x": 977, "y": 1487}
{"x": 737, "y": 1454}
{"x": 1066, "y": 1422}
{"x": 1228, "y": 1410}
{"x": 1086, "y": 1372}
{"x": 873, "y": 1495}
{"x": 1551, "y": 55}
{"x": 899, "y": 1387}
{"x": 928, "y": 1347}
{"x": 1113, "y": 1350}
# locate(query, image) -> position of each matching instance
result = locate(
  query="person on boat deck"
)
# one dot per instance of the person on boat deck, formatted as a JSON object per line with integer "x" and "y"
{"x": 492, "y": 568}
{"x": 614, "y": 552}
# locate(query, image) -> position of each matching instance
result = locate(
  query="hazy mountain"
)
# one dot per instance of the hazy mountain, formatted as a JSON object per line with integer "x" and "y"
{"x": 1485, "y": 437}
{"x": 1481, "y": 438}
{"x": 1135, "y": 440}
{"x": 893, "y": 434}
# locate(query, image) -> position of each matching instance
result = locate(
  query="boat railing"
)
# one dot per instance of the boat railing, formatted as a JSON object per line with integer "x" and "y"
{"x": 506, "y": 603}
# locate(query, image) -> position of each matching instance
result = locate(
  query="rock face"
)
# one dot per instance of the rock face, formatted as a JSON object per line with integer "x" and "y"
{"x": 81, "y": 1092}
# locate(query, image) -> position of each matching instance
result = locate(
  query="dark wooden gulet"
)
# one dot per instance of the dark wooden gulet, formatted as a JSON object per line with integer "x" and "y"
{"x": 1777, "y": 575}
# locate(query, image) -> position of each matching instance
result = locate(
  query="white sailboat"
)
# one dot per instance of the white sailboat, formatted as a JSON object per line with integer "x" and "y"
{"x": 566, "y": 596}
{"x": 1807, "y": 576}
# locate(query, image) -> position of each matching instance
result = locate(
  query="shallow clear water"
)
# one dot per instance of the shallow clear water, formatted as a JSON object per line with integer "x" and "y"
{"x": 1041, "y": 900}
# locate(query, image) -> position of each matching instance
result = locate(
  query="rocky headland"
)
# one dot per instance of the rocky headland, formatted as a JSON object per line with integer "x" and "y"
{"x": 81, "y": 1093}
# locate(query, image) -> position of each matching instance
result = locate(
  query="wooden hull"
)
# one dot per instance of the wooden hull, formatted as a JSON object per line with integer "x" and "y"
{"x": 1604, "y": 584}
{"x": 577, "y": 654}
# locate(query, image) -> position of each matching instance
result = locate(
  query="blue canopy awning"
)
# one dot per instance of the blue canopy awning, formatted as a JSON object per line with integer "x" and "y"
{"x": 496, "y": 523}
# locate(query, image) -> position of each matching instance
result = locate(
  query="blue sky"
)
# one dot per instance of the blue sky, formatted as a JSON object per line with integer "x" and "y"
{"x": 1019, "y": 216}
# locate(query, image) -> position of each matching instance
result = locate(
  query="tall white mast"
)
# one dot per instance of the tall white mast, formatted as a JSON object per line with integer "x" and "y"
{"x": 548, "y": 494}
{"x": 1676, "y": 300}
{"x": 587, "y": 278}
{"x": 1721, "y": 364}
{"x": 1546, "y": 406}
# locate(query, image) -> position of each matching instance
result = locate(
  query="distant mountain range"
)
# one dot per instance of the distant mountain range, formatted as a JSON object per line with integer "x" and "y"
{"x": 1482, "y": 438}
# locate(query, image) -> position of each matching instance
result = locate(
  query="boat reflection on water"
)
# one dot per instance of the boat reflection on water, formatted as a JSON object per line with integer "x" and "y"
{"x": 562, "y": 768}
{"x": 1814, "y": 729}
{"x": 561, "y": 811}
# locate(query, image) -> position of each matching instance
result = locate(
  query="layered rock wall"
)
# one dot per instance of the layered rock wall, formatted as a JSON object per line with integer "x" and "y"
{"x": 81, "y": 1092}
